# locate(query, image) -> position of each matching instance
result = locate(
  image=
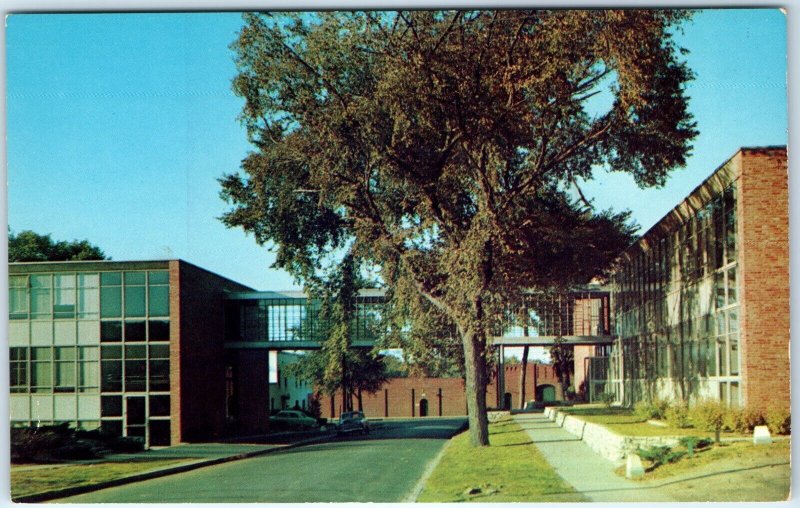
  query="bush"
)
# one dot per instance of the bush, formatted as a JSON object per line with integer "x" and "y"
{"x": 650, "y": 409}
{"x": 743, "y": 420}
{"x": 677, "y": 415}
{"x": 779, "y": 421}
{"x": 127, "y": 444}
{"x": 660, "y": 455}
{"x": 607, "y": 399}
{"x": 709, "y": 415}
{"x": 692, "y": 443}
{"x": 78, "y": 450}
{"x": 35, "y": 444}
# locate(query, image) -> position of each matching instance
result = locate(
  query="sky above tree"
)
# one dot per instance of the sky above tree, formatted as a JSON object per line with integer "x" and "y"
{"x": 119, "y": 124}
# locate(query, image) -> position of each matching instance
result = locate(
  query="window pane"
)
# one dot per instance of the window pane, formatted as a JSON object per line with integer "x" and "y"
{"x": 159, "y": 433}
{"x": 159, "y": 375}
{"x": 111, "y": 427}
{"x": 89, "y": 374}
{"x": 89, "y": 303}
{"x": 160, "y": 351}
{"x": 111, "y": 376}
{"x": 134, "y": 352}
{"x": 40, "y": 281}
{"x": 41, "y": 354}
{"x": 134, "y": 301}
{"x": 159, "y": 300}
{"x": 18, "y": 303}
{"x": 111, "y": 352}
{"x": 734, "y": 355}
{"x": 135, "y": 376}
{"x": 732, "y": 286}
{"x": 159, "y": 277}
{"x": 65, "y": 376}
{"x": 88, "y": 280}
{"x": 111, "y": 405}
{"x": 40, "y": 302}
{"x": 134, "y": 278}
{"x": 88, "y": 353}
{"x": 111, "y": 279}
{"x": 159, "y": 330}
{"x": 159, "y": 405}
{"x": 111, "y": 302}
{"x": 110, "y": 331}
{"x": 41, "y": 376}
{"x": 134, "y": 331}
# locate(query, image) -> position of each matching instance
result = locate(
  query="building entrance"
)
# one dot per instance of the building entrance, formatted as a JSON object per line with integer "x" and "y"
{"x": 135, "y": 419}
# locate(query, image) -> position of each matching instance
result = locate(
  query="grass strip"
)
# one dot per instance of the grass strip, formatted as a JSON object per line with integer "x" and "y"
{"x": 34, "y": 481}
{"x": 511, "y": 469}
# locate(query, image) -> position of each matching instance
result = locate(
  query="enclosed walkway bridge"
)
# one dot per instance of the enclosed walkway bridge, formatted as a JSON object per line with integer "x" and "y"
{"x": 291, "y": 321}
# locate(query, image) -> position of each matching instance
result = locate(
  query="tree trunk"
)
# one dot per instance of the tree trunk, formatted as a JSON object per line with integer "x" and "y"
{"x": 360, "y": 401}
{"x": 523, "y": 374}
{"x": 475, "y": 380}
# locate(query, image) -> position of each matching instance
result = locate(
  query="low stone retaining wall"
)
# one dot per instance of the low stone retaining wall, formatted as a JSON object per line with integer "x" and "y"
{"x": 601, "y": 440}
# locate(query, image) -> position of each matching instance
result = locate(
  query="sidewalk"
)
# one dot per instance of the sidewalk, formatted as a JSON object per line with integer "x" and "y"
{"x": 587, "y": 472}
{"x": 204, "y": 454}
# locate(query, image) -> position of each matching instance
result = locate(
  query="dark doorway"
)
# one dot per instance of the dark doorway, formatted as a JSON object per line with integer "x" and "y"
{"x": 507, "y": 401}
{"x": 545, "y": 393}
{"x": 423, "y": 407}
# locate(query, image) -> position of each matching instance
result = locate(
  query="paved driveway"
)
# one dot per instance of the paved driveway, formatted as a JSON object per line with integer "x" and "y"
{"x": 382, "y": 467}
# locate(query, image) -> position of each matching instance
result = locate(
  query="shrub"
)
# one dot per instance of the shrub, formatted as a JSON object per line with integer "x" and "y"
{"x": 692, "y": 443}
{"x": 649, "y": 409}
{"x": 779, "y": 420}
{"x": 743, "y": 420}
{"x": 677, "y": 415}
{"x": 78, "y": 450}
{"x": 709, "y": 415}
{"x": 607, "y": 399}
{"x": 31, "y": 444}
{"x": 127, "y": 444}
{"x": 660, "y": 455}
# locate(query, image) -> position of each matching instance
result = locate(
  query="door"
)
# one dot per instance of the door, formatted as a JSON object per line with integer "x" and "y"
{"x": 423, "y": 407}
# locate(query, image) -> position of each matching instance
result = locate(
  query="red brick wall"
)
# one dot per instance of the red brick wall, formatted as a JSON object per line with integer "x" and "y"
{"x": 400, "y": 397}
{"x": 763, "y": 232}
{"x": 197, "y": 372}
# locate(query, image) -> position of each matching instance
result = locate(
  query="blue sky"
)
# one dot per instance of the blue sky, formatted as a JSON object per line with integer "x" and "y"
{"x": 120, "y": 124}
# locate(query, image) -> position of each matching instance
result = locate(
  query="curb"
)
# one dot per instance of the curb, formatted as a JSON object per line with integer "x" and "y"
{"x": 82, "y": 489}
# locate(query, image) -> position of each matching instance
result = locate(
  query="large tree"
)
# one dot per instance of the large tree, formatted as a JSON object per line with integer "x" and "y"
{"x": 447, "y": 148}
{"x": 30, "y": 246}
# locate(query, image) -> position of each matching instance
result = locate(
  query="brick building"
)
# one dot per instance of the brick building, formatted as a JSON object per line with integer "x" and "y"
{"x": 169, "y": 352}
{"x": 701, "y": 302}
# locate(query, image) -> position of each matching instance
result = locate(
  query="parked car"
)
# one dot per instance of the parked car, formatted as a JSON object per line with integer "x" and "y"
{"x": 352, "y": 421}
{"x": 292, "y": 419}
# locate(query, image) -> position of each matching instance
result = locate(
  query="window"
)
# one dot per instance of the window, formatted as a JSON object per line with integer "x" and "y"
{"x": 159, "y": 405}
{"x": 65, "y": 378}
{"x": 64, "y": 296}
{"x": 134, "y": 331}
{"x": 18, "y": 369}
{"x": 158, "y": 330}
{"x": 41, "y": 369}
{"x": 110, "y": 331}
{"x": 88, "y": 296}
{"x": 18, "y": 295}
{"x": 134, "y": 301}
{"x": 41, "y": 297}
{"x": 158, "y": 303}
{"x": 111, "y": 405}
{"x": 88, "y": 369}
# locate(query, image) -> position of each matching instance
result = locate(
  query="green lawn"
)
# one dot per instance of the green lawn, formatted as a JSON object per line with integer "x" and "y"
{"x": 34, "y": 481}
{"x": 511, "y": 469}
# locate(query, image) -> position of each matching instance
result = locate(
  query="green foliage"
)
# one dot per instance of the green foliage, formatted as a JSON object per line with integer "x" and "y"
{"x": 779, "y": 420}
{"x": 444, "y": 147}
{"x": 677, "y": 415}
{"x": 60, "y": 442}
{"x": 30, "y": 246}
{"x": 709, "y": 415}
{"x": 659, "y": 455}
{"x": 607, "y": 399}
{"x": 692, "y": 443}
{"x": 562, "y": 356}
{"x": 651, "y": 409}
{"x": 743, "y": 420}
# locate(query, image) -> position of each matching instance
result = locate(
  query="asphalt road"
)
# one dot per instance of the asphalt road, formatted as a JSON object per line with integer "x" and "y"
{"x": 384, "y": 466}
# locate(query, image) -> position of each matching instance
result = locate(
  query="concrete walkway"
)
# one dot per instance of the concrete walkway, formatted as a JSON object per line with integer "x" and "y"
{"x": 587, "y": 472}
